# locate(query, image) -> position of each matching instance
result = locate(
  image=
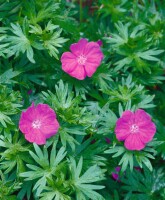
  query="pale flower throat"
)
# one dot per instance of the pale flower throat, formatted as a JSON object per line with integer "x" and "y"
{"x": 134, "y": 128}
{"x": 81, "y": 59}
{"x": 36, "y": 124}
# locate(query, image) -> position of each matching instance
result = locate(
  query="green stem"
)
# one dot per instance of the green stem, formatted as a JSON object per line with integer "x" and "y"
{"x": 81, "y": 11}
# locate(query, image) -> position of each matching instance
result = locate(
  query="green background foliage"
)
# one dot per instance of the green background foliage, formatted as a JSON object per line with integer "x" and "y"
{"x": 77, "y": 163}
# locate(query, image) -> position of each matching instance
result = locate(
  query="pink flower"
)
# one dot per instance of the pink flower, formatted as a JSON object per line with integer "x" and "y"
{"x": 138, "y": 169}
{"x": 38, "y": 123}
{"x": 108, "y": 141}
{"x": 30, "y": 92}
{"x": 136, "y": 129}
{"x": 118, "y": 168}
{"x": 115, "y": 175}
{"x": 83, "y": 60}
{"x": 99, "y": 42}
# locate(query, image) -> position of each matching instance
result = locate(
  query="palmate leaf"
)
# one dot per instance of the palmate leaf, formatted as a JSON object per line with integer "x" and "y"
{"x": 117, "y": 40}
{"x": 156, "y": 78}
{"x": 19, "y": 43}
{"x": 49, "y": 37}
{"x": 63, "y": 97}
{"x": 83, "y": 183}
{"x": 10, "y": 103}
{"x": 53, "y": 195}
{"x": 161, "y": 139}
{"x": 40, "y": 10}
{"x": 91, "y": 151}
{"x": 131, "y": 158}
{"x": 107, "y": 120}
{"x": 54, "y": 40}
{"x": 13, "y": 154}
{"x": 114, "y": 8}
{"x": 146, "y": 102}
{"x": 141, "y": 57}
{"x": 9, "y": 9}
{"x": 3, "y": 46}
{"x": 6, "y": 77}
{"x": 127, "y": 158}
{"x": 103, "y": 76}
{"x": 67, "y": 135}
{"x": 8, "y": 187}
{"x": 55, "y": 191}
{"x": 26, "y": 189}
{"x": 147, "y": 185}
{"x": 4, "y": 120}
{"x": 45, "y": 167}
{"x": 64, "y": 103}
{"x": 129, "y": 93}
{"x": 125, "y": 36}
{"x": 150, "y": 54}
{"x": 129, "y": 44}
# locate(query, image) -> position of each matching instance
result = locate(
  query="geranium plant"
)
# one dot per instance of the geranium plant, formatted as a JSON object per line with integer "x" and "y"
{"x": 82, "y": 104}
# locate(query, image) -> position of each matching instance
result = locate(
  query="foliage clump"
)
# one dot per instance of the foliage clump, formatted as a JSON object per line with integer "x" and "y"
{"x": 77, "y": 163}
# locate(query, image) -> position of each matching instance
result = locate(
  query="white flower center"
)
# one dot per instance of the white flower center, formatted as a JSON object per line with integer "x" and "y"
{"x": 36, "y": 124}
{"x": 134, "y": 128}
{"x": 81, "y": 59}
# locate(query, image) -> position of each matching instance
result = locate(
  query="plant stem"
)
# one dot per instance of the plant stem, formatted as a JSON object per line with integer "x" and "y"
{"x": 81, "y": 9}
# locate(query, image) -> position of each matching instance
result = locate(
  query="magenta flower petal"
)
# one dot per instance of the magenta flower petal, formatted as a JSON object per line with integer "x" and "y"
{"x": 79, "y": 72}
{"x": 138, "y": 169}
{"x": 38, "y": 123}
{"x": 68, "y": 62}
{"x": 133, "y": 142}
{"x": 107, "y": 140}
{"x": 83, "y": 60}
{"x": 146, "y": 133}
{"x": 25, "y": 125}
{"x": 115, "y": 176}
{"x": 99, "y": 42}
{"x": 30, "y": 92}
{"x": 51, "y": 128}
{"x": 118, "y": 168}
{"x": 93, "y": 49}
{"x": 128, "y": 116}
{"x": 77, "y": 48}
{"x": 121, "y": 134}
{"x": 45, "y": 110}
{"x": 122, "y": 129}
{"x": 29, "y": 113}
{"x": 141, "y": 116}
{"x": 135, "y": 128}
{"x": 90, "y": 69}
{"x": 36, "y": 138}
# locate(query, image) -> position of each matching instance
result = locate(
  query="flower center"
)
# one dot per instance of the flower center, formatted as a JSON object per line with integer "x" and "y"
{"x": 81, "y": 59}
{"x": 36, "y": 124}
{"x": 134, "y": 128}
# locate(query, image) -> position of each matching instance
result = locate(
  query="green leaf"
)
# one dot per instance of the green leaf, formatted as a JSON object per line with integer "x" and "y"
{"x": 147, "y": 185}
{"x": 6, "y": 77}
{"x": 19, "y": 43}
{"x": 82, "y": 183}
{"x": 128, "y": 157}
{"x": 54, "y": 40}
{"x": 149, "y": 55}
{"x": 47, "y": 167}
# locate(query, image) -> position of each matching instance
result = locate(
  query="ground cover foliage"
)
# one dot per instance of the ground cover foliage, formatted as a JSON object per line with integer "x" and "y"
{"x": 77, "y": 163}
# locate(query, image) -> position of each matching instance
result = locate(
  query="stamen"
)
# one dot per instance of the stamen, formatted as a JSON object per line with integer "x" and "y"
{"x": 36, "y": 124}
{"x": 134, "y": 128}
{"x": 81, "y": 59}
